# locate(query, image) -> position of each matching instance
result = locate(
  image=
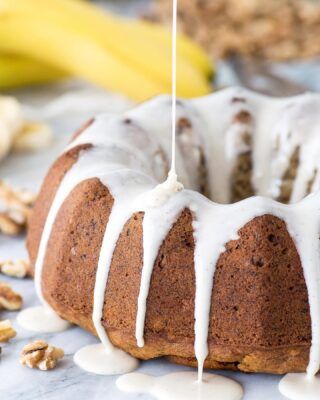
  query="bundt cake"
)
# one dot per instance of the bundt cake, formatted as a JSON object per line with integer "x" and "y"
{"x": 232, "y": 281}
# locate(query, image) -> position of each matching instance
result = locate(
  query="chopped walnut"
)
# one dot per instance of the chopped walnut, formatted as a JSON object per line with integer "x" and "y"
{"x": 18, "y": 204}
{"x": 40, "y": 355}
{"x": 9, "y": 300}
{"x": 270, "y": 29}
{"x": 16, "y": 269}
{"x": 8, "y": 226}
{"x": 6, "y": 331}
{"x": 26, "y": 196}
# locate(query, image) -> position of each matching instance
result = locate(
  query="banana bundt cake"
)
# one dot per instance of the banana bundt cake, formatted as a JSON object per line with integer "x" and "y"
{"x": 231, "y": 282}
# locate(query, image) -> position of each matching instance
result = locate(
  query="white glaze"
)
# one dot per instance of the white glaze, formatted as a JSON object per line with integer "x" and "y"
{"x": 181, "y": 386}
{"x": 41, "y": 319}
{"x": 300, "y": 387}
{"x": 159, "y": 195}
{"x": 174, "y": 88}
{"x": 125, "y": 186}
{"x": 98, "y": 359}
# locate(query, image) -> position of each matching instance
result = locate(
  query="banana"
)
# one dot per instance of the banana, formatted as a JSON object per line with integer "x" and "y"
{"x": 11, "y": 121}
{"x": 124, "y": 41}
{"x": 156, "y": 33}
{"x": 33, "y": 136}
{"x": 185, "y": 46}
{"x": 17, "y": 134}
{"x": 11, "y": 114}
{"x": 20, "y": 71}
{"x": 5, "y": 140}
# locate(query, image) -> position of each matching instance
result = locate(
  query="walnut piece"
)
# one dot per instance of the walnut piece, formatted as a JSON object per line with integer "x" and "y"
{"x": 18, "y": 204}
{"x": 40, "y": 355}
{"x": 9, "y": 299}
{"x": 8, "y": 226}
{"x": 6, "y": 331}
{"x": 16, "y": 269}
{"x": 268, "y": 29}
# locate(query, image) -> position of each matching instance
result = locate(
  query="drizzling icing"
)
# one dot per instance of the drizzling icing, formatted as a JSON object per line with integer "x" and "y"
{"x": 181, "y": 386}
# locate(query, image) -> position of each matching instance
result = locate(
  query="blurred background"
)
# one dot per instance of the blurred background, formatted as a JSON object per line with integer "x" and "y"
{"x": 62, "y": 61}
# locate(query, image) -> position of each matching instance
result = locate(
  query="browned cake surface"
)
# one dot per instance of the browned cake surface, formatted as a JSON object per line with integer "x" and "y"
{"x": 46, "y": 196}
{"x": 260, "y": 314}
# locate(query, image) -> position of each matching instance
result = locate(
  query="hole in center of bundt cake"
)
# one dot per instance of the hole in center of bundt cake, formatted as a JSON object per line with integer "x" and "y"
{"x": 237, "y": 154}
{"x": 240, "y": 185}
{"x": 228, "y": 174}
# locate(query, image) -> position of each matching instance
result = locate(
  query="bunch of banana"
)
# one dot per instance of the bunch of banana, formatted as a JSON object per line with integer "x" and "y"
{"x": 73, "y": 36}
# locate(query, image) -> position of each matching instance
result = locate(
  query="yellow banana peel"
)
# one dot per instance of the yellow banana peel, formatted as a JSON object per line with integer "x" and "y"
{"x": 186, "y": 47}
{"x": 18, "y": 71}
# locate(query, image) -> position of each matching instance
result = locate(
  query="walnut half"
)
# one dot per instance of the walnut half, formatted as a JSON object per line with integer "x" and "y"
{"x": 18, "y": 204}
{"x": 9, "y": 299}
{"x": 6, "y": 331}
{"x": 16, "y": 269}
{"x": 40, "y": 355}
{"x": 8, "y": 226}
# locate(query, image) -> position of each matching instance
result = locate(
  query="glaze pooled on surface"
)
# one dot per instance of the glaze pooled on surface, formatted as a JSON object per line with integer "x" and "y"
{"x": 181, "y": 386}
